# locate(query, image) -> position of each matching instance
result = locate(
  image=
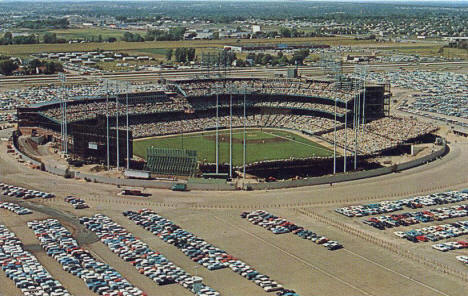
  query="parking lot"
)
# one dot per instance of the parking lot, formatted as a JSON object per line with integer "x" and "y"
{"x": 293, "y": 262}
{"x": 305, "y": 266}
{"x": 436, "y": 93}
{"x": 415, "y": 222}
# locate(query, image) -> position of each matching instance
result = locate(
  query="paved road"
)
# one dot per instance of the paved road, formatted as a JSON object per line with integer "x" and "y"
{"x": 82, "y": 235}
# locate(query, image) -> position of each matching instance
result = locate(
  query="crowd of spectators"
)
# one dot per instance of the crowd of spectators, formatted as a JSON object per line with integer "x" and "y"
{"x": 382, "y": 134}
{"x": 10, "y": 99}
{"x": 202, "y": 104}
{"x": 280, "y": 87}
{"x": 77, "y": 112}
{"x": 7, "y": 117}
{"x": 307, "y": 123}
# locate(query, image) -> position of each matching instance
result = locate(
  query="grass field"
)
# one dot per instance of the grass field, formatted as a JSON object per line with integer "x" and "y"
{"x": 23, "y": 49}
{"x": 261, "y": 145}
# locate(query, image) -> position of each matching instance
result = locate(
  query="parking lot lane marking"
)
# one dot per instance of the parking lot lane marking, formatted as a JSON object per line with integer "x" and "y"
{"x": 296, "y": 257}
{"x": 396, "y": 272}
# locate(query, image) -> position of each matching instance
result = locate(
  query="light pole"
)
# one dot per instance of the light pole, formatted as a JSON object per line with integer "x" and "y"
{"x": 117, "y": 141}
{"x": 63, "y": 109}
{"x": 217, "y": 129}
{"x": 107, "y": 124}
{"x": 334, "y": 144}
{"x": 346, "y": 136}
{"x": 244, "y": 143}
{"x": 128, "y": 140}
{"x": 230, "y": 135}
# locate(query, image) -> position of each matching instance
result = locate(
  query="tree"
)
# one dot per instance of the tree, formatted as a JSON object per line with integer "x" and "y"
{"x": 169, "y": 53}
{"x": 266, "y": 59}
{"x": 49, "y": 38}
{"x": 7, "y": 67}
{"x": 285, "y": 32}
{"x": 181, "y": 55}
{"x": 7, "y": 38}
{"x": 53, "y": 67}
{"x": 132, "y": 37}
{"x": 299, "y": 57}
{"x": 191, "y": 54}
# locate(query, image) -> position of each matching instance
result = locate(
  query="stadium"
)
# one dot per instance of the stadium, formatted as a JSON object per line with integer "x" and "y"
{"x": 270, "y": 128}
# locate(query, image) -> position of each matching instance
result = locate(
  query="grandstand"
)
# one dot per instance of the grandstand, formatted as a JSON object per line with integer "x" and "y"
{"x": 187, "y": 106}
{"x": 165, "y": 161}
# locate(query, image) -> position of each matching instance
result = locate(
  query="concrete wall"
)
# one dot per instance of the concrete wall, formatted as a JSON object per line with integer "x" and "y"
{"x": 351, "y": 176}
{"x": 23, "y": 156}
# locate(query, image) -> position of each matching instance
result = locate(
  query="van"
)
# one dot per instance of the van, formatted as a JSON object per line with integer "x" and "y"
{"x": 179, "y": 187}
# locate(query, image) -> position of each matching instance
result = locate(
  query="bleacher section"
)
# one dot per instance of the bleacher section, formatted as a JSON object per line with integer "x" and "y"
{"x": 165, "y": 161}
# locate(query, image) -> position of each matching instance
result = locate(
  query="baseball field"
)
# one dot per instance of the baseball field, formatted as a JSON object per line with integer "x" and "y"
{"x": 261, "y": 144}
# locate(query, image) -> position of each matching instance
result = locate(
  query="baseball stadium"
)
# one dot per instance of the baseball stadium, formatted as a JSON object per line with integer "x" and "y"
{"x": 265, "y": 128}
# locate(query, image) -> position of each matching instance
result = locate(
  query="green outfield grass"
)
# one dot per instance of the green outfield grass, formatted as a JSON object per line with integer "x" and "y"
{"x": 261, "y": 145}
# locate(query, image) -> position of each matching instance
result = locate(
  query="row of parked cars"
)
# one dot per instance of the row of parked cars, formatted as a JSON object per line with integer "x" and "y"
{"x": 436, "y": 232}
{"x": 406, "y": 219}
{"x": 447, "y": 246}
{"x": 19, "y": 210}
{"x": 148, "y": 262}
{"x": 20, "y": 192}
{"x": 25, "y": 270}
{"x": 397, "y": 205}
{"x": 76, "y": 202}
{"x": 279, "y": 225}
{"x": 200, "y": 251}
{"x": 99, "y": 277}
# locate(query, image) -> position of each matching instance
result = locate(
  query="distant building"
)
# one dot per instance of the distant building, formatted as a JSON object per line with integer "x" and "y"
{"x": 256, "y": 29}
